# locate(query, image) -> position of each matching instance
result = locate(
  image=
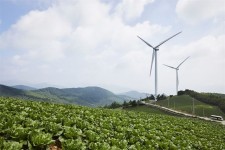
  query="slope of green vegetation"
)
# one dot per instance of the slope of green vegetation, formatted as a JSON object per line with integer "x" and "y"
{"x": 36, "y": 125}
{"x": 184, "y": 103}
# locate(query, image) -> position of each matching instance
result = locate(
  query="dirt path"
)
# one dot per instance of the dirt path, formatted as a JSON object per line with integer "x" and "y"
{"x": 223, "y": 122}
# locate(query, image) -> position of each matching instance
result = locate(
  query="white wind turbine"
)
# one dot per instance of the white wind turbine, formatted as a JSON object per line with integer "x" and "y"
{"x": 154, "y": 56}
{"x": 177, "y": 68}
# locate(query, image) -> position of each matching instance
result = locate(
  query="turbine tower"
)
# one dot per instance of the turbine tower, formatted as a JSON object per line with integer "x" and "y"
{"x": 177, "y": 68}
{"x": 154, "y": 56}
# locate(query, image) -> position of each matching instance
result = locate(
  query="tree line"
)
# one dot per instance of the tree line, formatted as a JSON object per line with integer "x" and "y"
{"x": 208, "y": 98}
{"x": 125, "y": 104}
{"x": 133, "y": 103}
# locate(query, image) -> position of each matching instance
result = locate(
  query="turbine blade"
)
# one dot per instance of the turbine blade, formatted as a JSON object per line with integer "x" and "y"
{"x": 146, "y": 42}
{"x": 169, "y": 66}
{"x": 168, "y": 39}
{"x": 153, "y": 56}
{"x": 182, "y": 62}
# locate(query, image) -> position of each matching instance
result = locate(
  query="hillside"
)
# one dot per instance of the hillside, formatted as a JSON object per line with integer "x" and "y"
{"x": 88, "y": 96}
{"x": 184, "y": 103}
{"x": 69, "y": 127}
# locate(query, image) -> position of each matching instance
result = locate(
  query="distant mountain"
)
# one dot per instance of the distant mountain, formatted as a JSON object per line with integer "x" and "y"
{"x": 23, "y": 87}
{"x": 134, "y": 94}
{"x": 88, "y": 96}
{"x": 126, "y": 98}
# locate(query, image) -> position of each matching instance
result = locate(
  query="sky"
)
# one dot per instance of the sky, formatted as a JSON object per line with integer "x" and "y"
{"x": 79, "y": 43}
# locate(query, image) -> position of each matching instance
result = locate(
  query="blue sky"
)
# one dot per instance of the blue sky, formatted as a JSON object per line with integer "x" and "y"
{"x": 11, "y": 11}
{"x": 77, "y": 43}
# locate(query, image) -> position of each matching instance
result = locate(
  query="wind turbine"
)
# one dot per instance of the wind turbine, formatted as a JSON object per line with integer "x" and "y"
{"x": 177, "y": 68}
{"x": 154, "y": 56}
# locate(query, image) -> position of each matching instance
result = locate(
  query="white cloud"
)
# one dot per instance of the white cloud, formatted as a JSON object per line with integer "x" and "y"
{"x": 76, "y": 43}
{"x": 39, "y": 34}
{"x": 195, "y": 11}
{"x": 131, "y": 9}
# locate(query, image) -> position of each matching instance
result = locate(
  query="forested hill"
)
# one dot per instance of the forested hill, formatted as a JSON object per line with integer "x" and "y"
{"x": 209, "y": 98}
{"x": 10, "y": 91}
{"x": 88, "y": 96}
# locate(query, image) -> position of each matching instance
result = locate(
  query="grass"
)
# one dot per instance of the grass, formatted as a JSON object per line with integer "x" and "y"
{"x": 148, "y": 109}
{"x": 184, "y": 103}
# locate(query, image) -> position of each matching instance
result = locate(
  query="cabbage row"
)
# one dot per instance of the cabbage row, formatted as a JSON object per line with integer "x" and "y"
{"x": 38, "y": 125}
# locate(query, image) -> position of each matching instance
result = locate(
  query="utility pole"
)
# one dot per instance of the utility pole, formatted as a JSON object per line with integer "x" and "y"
{"x": 168, "y": 102}
{"x": 203, "y": 112}
{"x": 193, "y": 107}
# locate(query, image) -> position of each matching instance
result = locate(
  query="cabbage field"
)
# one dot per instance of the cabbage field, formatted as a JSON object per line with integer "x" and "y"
{"x": 40, "y": 126}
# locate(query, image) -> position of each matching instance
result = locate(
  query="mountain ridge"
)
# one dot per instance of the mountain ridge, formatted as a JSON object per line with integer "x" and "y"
{"x": 88, "y": 96}
{"x": 24, "y": 87}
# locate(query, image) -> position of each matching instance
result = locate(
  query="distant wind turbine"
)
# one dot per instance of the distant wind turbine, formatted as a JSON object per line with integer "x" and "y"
{"x": 154, "y": 55}
{"x": 177, "y": 68}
